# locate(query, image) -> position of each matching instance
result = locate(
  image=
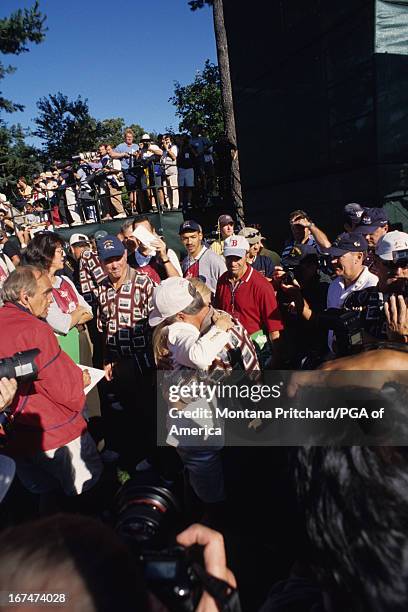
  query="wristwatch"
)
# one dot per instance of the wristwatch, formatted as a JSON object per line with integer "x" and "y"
{"x": 164, "y": 261}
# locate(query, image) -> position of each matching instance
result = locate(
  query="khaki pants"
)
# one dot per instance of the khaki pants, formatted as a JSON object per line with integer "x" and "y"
{"x": 115, "y": 195}
{"x": 170, "y": 185}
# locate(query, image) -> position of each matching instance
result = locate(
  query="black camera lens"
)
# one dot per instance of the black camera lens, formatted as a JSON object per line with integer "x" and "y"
{"x": 20, "y": 366}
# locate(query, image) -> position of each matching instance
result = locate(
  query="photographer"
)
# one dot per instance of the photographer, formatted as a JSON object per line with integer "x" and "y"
{"x": 48, "y": 435}
{"x": 113, "y": 183}
{"x": 149, "y": 154}
{"x": 302, "y": 291}
{"x": 168, "y": 162}
{"x": 391, "y": 268}
{"x": 304, "y": 231}
{"x": 86, "y": 201}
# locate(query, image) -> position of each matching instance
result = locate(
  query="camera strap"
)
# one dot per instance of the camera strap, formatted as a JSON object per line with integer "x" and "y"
{"x": 225, "y": 595}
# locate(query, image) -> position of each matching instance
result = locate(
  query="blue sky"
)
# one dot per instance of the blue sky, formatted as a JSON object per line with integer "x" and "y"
{"x": 122, "y": 55}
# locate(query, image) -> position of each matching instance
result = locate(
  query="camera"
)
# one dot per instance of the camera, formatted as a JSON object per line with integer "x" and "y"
{"x": 23, "y": 368}
{"x": 20, "y": 366}
{"x": 148, "y": 517}
{"x": 347, "y": 327}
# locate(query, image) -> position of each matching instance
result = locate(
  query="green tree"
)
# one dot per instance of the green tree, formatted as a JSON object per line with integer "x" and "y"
{"x": 199, "y": 103}
{"x": 16, "y": 31}
{"x": 112, "y": 130}
{"x": 66, "y": 126}
{"x": 226, "y": 93}
{"x": 16, "y": 158}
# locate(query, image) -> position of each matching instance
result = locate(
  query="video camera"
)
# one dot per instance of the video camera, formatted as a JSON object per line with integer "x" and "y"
{"x": 148, "y": 516}
{"x": 347, "y": 327}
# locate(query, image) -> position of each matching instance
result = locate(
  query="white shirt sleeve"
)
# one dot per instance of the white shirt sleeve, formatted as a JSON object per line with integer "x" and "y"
{"x": 191, "y": 351}
{"x": 174, "y": 260}
{"x": 60, "y": 321}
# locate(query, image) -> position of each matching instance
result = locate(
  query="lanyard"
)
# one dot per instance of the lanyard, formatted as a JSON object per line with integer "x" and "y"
{"x": 234, "y": 289}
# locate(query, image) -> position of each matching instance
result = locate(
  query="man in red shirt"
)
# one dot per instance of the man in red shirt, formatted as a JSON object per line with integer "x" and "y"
{"x": 248, "y": 296}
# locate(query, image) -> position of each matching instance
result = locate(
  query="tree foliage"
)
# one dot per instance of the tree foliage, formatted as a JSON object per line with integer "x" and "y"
{"x": 16, "y": 157}
{"x": 66, "y": 127}
{"x": 199, "y": 103}
{"x": 198, "y": 4}
{"x": 16, "y": 31}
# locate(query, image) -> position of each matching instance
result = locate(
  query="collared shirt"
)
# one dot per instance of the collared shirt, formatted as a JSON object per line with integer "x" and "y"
{"x": 91, "y": 274}
{"x": 338, "y": 292}
{"x": 123, "y": 317}
{"x": 251, "y": 300}
{"x": 207, "y": 266}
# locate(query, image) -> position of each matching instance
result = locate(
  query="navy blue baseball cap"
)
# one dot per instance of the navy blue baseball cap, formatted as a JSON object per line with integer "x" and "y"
{"x": 190, "y": 226}
{"x": 348, "y": 243}
{"x": 110, "y": 246}
{"x": 371, "y": 219}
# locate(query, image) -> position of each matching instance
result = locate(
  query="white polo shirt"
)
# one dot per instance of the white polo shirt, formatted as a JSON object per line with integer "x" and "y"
{"x": 338, "y": 292}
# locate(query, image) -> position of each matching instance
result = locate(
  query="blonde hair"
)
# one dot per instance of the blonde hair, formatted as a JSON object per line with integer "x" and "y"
{"x": 160, "y": 337}
{"x": 202, "y": 289}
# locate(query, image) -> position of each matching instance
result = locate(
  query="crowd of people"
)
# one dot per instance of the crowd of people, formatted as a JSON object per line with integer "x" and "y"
{"x": 127, "y": 304}
{"x": 168, "y": 172}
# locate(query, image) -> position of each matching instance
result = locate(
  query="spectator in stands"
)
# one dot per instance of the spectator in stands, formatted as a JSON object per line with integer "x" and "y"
{"x": 114, "y": 181}
{"x": 50, "y": 442}
{"x": 201, "y": 262}
{"x": 186, "y": 161}
{"x": 7, "y": 247}
{"x": 126, "y": 152}
{"x": 249, "y": 297}
{"x": 150, "y": 154}
{"x": 24, "y": 189}
{"x": 168, "y": 163}
{"x": 262, "y": 263}
{"x": 225, "y": 228}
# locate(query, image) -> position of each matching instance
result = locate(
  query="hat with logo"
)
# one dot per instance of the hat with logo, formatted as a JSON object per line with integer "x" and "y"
{"x": 190, "y": 226}
{"x": 110, "y": 246}
{"x": 100, "y": 234}
{"x": 236, "y": 246}
{"x": 391, "y": 243}
{"x": 371, "y": 219}
{"x": 251, "y": 234}
{"x": 173, "y": 295}
{"x": 348, "y": 243}
{"x": 77, "y": 239}
{"x": 225, "y": 220}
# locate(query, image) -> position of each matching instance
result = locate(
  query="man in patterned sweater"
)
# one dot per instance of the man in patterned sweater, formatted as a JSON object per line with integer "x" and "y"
{"x": 124, "y": 299}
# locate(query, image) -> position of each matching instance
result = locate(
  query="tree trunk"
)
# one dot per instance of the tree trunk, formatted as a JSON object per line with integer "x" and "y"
{"x": 227, "y": 103}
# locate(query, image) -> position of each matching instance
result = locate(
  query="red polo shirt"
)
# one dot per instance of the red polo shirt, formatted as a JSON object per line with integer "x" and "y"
{"x": 252, "y": 301}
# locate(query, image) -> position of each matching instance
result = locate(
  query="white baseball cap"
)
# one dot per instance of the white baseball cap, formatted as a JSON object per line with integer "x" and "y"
{"x": 392, "y": 241}
{"x": 3, "y": 197}
{"x": 75, "y": 238}
{"x": 236, "y": 245}
{"x": 169, "y": 298}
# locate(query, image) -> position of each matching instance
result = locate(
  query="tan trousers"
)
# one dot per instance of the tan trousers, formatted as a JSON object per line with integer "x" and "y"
{"x": 115, "y": 195}
{"x": 170, "y": 185}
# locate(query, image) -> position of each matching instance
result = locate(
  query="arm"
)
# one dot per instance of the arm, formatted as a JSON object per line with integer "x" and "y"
{"x": 191, "y": 351}
{"x": 318, "y": 234}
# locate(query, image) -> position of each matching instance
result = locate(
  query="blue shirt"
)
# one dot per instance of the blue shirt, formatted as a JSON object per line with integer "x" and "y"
{"x": 125, "y": 148}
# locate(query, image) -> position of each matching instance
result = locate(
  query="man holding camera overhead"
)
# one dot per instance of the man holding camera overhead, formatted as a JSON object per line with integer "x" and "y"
{"x": 47, "y": 433}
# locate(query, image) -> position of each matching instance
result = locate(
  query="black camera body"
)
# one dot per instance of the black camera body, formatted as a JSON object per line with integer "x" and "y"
{"x": 148, "y": 516}
{"x": 23, "y": 368}
{"x": 347, "y": 327}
